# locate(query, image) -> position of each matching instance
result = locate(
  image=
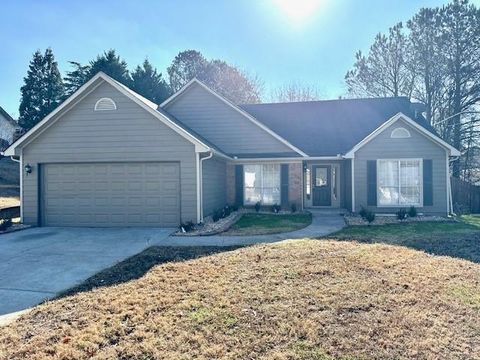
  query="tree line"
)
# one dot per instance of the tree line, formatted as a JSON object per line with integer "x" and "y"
{"x": 44, "y": 87}
{"x": 434, "y": 59}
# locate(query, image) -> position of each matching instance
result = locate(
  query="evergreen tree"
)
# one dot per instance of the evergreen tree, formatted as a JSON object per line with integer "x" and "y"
{"x": 109, "y": 63}
{"x": 384, "y": 71}
{"x": 75, "y": 78}
{"x": 149, "y": 83}
{"x": 43, "y": 89}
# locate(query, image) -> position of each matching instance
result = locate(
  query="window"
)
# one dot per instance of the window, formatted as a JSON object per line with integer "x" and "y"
{"x": 399, "y": 182}
{"x": 308, "y": 184}
{"x": 105, "y": 104}
{"x": 400, "y": 133}
{"x": 262, "y": 184}
{"x": 321, "y": 176}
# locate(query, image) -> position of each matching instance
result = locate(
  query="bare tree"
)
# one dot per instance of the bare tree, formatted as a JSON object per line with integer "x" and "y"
{"x": 295, "y": 91}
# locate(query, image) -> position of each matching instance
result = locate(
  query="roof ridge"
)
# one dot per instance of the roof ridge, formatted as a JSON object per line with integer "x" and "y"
{"x": 328, "y": 100}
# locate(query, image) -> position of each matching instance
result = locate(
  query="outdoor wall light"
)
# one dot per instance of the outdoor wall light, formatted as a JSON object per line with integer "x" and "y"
{"x": 28, "y": 169}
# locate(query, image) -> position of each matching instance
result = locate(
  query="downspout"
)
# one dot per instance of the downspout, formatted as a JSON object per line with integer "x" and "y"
{"x": 449, "y": 185}
{"x": 353, "y": 184}
{"x": 209, "y": 156}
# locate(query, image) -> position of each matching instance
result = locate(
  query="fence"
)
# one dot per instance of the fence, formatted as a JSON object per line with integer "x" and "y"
{"x": 466, "y": 197}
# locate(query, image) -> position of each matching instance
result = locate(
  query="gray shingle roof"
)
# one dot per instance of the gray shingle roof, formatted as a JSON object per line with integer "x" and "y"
{"x": 330, "y": 127}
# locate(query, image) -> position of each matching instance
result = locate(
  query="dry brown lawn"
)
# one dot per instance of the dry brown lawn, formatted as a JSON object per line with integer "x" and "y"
{"x": 291, "y": 300}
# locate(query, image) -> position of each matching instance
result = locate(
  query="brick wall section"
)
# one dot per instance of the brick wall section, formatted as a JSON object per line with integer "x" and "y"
{"x": 295, "y": 184}
{"x": 230, "y": 178}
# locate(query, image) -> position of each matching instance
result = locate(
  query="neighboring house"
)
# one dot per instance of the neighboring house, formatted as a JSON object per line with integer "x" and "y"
{"x": 109, "y": 157}
{"x": 8, "y": 127}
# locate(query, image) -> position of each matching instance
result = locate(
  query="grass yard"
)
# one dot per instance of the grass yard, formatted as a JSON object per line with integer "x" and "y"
{"x": 457, "y": 239}
{"x": 304, "y": 299}
{"x": 258, "y": 224}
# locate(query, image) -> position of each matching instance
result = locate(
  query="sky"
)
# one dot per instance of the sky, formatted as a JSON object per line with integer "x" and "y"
{"x": 310, "y": 42}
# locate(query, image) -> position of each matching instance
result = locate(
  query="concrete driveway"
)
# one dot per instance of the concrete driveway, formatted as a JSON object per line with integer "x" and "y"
{"x": 37, "y": 263}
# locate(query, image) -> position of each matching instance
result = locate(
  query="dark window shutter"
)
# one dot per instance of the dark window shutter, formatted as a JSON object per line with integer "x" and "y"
{"x": 239, "y": 185}
{"x": 372, "y": 182}
{"x": 284, "y": 185}
{"x": 427, "y": 182}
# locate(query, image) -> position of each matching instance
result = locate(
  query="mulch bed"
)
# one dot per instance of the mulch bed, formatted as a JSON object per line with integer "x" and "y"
{"x": 384, "y": 220}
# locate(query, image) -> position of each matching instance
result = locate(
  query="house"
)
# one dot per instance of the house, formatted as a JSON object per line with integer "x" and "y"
{"x": 8, "y": 127}
{"x": 109, "y": 157}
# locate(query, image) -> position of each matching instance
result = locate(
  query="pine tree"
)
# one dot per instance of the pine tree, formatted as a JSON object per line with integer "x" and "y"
{"x": 43, "y": 89}
{"x": 111, "y": 64}
{"x": 75, "y": 78}
{"x": 149, "y": 83}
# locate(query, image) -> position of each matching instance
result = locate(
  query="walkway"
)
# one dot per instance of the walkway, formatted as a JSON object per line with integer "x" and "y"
{"x": 324, "y": 222}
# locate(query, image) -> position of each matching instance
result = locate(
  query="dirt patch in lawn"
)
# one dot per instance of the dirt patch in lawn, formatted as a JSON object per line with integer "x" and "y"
{"x": 261, "y": 224}
{"x": 291, "y": 300}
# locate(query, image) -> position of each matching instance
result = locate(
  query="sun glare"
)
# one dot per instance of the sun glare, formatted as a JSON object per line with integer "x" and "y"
{"x": 297, "y": 11}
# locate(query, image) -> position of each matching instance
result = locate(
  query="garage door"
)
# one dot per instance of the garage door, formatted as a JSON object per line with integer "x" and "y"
{"x": 111, "y": 194}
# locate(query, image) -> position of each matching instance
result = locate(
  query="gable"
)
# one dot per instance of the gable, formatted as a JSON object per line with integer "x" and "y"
{"x": 82, "y": 132}
{"x": 223, "y": 125}
{"x": 416, "y": 145}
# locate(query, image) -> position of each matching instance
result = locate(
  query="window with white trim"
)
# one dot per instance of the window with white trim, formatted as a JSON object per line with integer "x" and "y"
{"x": 105, "y": 104}
{"x": 262, "y": 184}
{"x": 400, "y": 133}
{"x": 399, "y": 182}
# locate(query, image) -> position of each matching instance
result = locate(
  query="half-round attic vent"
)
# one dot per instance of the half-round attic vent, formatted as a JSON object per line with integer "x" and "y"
{"x": 400, "y": 133}
{"x": 105, "y": 104}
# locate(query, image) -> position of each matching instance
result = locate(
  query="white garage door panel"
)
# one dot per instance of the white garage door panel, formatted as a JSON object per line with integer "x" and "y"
{"x": 119, "y": 194}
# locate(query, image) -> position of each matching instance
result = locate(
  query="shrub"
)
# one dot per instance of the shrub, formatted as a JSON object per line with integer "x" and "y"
{"x": 401, "y": 214}
{"x": 188, "y": 226}
{"x": 363, "y": 212}
{"x": 293, "y": 207}
{"x": 369, "y": 216}
{"x": 412, "y": 211}
{"x": 234, "y": 207}
{"x": 217, "y": 215}
{"x": 226, "y": 211}
{"x": 276, "y": 208}
{"x": 5, "y": 224}
{"x": 257, "y": 206}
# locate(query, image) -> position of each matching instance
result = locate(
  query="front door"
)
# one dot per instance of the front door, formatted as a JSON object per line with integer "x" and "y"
{"x": 321, "y": 187}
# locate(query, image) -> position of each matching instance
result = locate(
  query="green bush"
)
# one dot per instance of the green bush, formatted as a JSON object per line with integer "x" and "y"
{"x": 369, "y": 216}
{"x": 258, "y": 206}
{"x": 363, "y": 212}
{"x": 412, "y": 211}
{"x": 276, "y": 208}
{"x": 188, "y": 226}
{"x": 5, "y": 224}
{"x": 293, "y": 207}
{"x": 401, "y": 214}
{"x": 217, "y": 215}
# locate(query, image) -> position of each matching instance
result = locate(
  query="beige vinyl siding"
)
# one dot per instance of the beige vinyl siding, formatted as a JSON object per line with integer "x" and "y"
{"x": 214, "y": 182}
{"x": 417, "y": 146}
{"x": 231, "y": 131}
{"x": 128, "y": 134}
